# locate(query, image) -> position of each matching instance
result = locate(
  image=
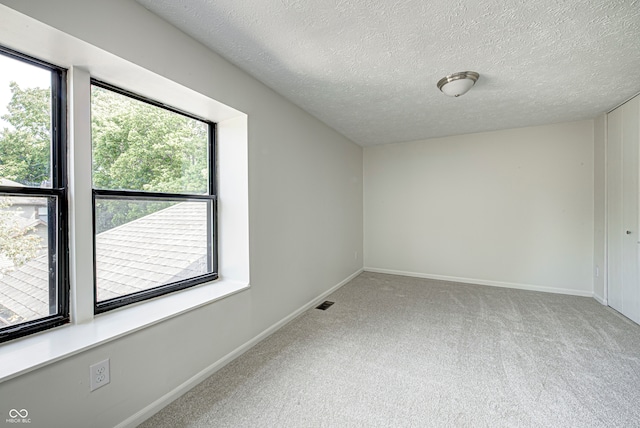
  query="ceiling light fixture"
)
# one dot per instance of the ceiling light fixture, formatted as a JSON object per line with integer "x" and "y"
{"x": 457, "y": 84}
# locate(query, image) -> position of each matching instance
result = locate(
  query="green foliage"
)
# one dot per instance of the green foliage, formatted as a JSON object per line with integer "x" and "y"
{"x": 136, "y": 146}
{"x": 17, "y": 243}
{"x": 25, "y": 144}
{"x": 111, "y": 213}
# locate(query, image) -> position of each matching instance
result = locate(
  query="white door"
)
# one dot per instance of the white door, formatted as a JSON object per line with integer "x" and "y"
{"x": 623, "y": 141}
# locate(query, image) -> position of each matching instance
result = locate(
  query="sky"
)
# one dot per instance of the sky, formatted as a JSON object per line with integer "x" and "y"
{"x": 26, "y": 75}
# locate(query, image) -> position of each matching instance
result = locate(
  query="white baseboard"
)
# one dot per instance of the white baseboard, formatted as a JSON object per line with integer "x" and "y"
{"x": 518, "y": 286}
{"x": 600, "y": 299}
{"x": 153, "y": 408}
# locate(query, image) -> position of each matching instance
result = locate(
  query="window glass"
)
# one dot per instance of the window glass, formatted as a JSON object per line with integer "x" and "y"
{"x": 139, "y": 146}
{"x": 25, "y": 294}
{"x": 25, "y": 123}
{"x": 154, "y": 207}
{"x": 33, "y": 281}
{"x": 165, "y": 245}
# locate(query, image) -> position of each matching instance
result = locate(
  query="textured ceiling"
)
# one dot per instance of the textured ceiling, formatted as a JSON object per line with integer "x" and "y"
{"x": 369, "y": 68}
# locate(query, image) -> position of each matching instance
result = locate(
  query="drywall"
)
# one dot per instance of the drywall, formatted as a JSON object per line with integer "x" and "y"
{"x": 599, "y": 208}
{"x": 511, "y": 208}
{"x": 305, "y": 226}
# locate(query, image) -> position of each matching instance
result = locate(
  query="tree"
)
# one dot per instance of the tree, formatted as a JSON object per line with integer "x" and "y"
{"x": 17, "y": 243}
{"x": 136, "y": 146}
{"x": 25, "y": 145}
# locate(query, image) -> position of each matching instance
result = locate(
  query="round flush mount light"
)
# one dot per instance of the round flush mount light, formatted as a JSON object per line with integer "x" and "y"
{"x": 457, "y": 84}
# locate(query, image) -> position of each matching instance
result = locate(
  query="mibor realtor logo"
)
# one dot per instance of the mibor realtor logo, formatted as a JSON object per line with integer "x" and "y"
{"x": 18, "y": 417}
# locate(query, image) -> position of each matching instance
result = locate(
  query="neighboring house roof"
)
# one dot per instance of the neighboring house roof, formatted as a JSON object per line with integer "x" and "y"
{"x": 157, "y": 249}
{"x": 20, "y": 224}
{"x": 10, "y": 183}
{"x": 24, "y": 293}
{"x": 26, "y": 223}
{"x": 22, "y": 200}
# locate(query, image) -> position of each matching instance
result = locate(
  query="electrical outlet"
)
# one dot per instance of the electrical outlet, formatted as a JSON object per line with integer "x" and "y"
{"x": 99, "y": 375}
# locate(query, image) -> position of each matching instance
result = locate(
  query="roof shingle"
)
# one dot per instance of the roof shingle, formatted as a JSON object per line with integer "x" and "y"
{"x": 160, "y": 248}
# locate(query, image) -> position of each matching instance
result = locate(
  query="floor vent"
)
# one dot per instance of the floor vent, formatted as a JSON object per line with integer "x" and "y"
{"x": 325, "y": 305}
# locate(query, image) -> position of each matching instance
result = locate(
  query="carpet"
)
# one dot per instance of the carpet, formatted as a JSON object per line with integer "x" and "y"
{"x": 396, "y": 351}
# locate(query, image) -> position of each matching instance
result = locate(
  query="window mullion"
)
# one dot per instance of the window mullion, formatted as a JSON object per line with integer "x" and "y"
{"x": 80, "y": 197}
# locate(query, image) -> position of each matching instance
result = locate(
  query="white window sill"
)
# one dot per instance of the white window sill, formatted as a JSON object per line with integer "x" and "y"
{"x": 32, "y": 352}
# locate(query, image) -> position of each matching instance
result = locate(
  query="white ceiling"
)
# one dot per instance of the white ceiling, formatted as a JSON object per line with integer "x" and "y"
{"x": 369, "y": 68}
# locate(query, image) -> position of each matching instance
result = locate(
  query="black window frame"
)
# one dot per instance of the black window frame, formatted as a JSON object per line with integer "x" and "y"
{"x": 58, "y": 228}
{"x": 210, "y": 196}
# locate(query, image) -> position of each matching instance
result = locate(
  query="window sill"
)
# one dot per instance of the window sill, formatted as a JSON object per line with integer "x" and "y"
{"x": 32, "y": 352}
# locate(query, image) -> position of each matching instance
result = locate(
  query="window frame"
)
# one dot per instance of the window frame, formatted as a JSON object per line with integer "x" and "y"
{"x": 58, "y": 229}
{"x": 212, "y": 213}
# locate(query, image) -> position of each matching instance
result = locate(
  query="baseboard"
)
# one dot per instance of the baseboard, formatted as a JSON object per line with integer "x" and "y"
{"x": 517, "y": 286}
{"x": 153, "y": 408}
{"x": 600, "y": 299}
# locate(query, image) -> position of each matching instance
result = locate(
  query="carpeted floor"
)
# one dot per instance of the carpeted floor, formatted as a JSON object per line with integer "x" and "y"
{"x": 406, "y": 352}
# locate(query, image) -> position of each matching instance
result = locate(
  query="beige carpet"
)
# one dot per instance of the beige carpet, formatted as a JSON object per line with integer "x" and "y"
{"x": 405, "y": 352}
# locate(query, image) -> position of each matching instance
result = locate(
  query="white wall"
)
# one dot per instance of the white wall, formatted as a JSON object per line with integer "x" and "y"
{"x": 600, "y": 208}
{"x": 305, "y": 222}
{"x": 512, "y": 207}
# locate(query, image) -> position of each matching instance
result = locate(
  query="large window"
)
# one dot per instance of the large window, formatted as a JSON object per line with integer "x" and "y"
{"x": 33, "y": 220}
{"x": 154, "y": 200}
{"x": 153, "y": 203}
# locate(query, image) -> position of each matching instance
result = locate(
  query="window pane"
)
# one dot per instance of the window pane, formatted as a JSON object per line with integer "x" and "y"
{"x": 25, "y": 292}
{"x": 25, "y": 124}
{"x": 142, "y": 147}
{"x": 144, "y": 244}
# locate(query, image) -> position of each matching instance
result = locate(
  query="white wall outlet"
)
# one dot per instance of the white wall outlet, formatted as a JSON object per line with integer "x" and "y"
{"x": 99, "y": 375}
{"x": 355, "y": 255}
{"x": 597, "y": 271}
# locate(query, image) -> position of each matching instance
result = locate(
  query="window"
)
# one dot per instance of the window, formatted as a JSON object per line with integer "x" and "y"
{"x": 148, "y": 193}
{"x": 154, "y": 203}
{"x": 34, "y": 285}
